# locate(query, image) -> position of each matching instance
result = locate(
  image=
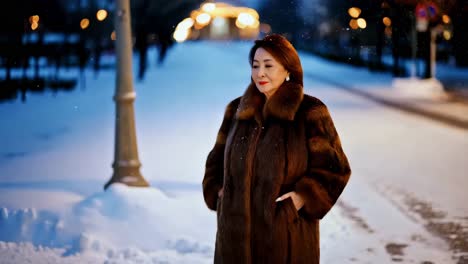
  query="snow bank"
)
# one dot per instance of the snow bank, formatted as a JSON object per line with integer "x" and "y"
{"x": 120, "y": 223}
{"x": 420, "y": 88}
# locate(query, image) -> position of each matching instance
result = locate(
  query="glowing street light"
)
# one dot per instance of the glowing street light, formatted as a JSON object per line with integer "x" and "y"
{"x": 447, "y": 35}
{"x": 34, "y": 19}
{"x": 84, "y": 23}
{"x": 246, "y": 19}
{"x": 354, "y": 12}
{"x": 445, "y": 19}
{"x": 183, "y": 30}
{"x": 34, "y": 26}
{"x": 209, "y": 7}
{"x": 203, "y": 19}
{"x": 101, "y": 14}
{"x": 240, "y": 25}
{"x": 353, "y": 24}
{"x": 387, "y": 21}
{"x": 362, "y": 23}
{"x": 186, "y": 23}
{"x": 180, "y": 35}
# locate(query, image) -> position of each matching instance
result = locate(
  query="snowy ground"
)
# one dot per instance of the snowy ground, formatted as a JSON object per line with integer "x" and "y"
{"x": 408, "y": 182}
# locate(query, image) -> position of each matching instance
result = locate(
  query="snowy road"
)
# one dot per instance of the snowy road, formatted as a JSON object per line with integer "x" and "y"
{"x": 406, "y": 200}
{"x": 408, "y": 162}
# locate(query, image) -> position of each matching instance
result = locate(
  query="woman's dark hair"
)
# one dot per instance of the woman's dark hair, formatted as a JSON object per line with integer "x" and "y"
{"x": 284, "y": 52}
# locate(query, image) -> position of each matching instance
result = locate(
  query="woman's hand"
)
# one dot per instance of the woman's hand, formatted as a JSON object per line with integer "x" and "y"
{"x": 298, "y": 201}
{"x": 220, "y": 192}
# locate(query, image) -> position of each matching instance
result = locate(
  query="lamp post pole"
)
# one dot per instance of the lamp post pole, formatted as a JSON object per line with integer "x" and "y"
{"x": 126, "y": 163}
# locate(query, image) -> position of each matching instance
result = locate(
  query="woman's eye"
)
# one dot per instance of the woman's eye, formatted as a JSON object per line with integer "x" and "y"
{"x": 268, "y": 66}
{"x": 255, "y": 66}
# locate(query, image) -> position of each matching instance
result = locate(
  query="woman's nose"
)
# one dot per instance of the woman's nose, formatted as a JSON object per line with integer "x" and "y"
{"x": 260, "y": 72}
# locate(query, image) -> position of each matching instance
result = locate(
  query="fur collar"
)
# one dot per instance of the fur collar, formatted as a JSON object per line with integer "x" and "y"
{"x": 283, "y": 104}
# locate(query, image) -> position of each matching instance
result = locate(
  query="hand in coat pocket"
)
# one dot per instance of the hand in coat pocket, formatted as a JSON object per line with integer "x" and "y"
{"x": 298, "y": 201}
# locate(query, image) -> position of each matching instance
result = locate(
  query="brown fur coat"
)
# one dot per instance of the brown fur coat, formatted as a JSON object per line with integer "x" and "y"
{"x": 263, "y": 150}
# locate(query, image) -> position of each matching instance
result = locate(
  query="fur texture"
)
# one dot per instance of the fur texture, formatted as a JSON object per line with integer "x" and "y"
{"x": 263, "y": 150}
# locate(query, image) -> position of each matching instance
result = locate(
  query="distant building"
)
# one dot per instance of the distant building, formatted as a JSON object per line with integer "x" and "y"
{"x": 219, "y": 21}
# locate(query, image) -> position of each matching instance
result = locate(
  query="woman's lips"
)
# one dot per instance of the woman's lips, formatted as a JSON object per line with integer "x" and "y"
{"x": 262, "y": 83}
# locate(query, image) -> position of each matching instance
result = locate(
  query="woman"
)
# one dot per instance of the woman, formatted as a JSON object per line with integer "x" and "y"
{"x": 277, "y": 166}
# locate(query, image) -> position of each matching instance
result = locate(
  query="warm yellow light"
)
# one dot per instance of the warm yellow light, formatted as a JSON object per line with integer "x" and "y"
{"x": 387, "y": 21}
{"x": 101, "y": 14}
{"x": 34, "y": 19}
{"x": 180, "y": 35}
{"x": 240, "y": 25}
{"x": 246, "y": 19}
{"x": 256, "y": 24}
{"x": 34, "y": 25}
{"x": 362, "y": 23}
{"x": 186, "y": 23}
{"x": 354, "y": 12}
{"x": 203, "y": 19}
{"x": 113, "y": 35}
{"x": 84, "y": 23}
{"x": 446, "y": 19}
{"x": 209, "y": 7}
{"x": 353, "y": 24}
{"x": 198, "y": 26}
{"x": 182, "y": 30}
{"x": 447, "y": 35}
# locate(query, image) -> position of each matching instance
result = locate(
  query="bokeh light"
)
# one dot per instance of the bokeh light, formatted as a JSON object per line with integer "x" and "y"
{"x": 354, "y": 12}
{"x": 209, "y": 7}
{"x": 203, "y": 19}
{"x": 183, "y": 29}
{"x": 101, "y": 15}
{"x": 34, "y": 25}
{"x": 84, "y": 23}
{"x": 181, "y": 35}
{"x": 186, "y": 23}
{"x": 246, "y": 19}
{"x": 387, "y": 21}
{"x": 34, "y": 19}
{"x": 447, "y": 35}
{"x": 353, "y": 24}
{"x": 446, "y": 19}
{"x": 362, "y": 23}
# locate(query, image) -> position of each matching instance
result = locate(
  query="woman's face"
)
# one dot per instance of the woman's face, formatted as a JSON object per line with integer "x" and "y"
{"x": 267, "y": 73}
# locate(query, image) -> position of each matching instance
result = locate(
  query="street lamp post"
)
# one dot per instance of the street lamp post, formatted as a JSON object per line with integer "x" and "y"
{"x": 126, "y": 163}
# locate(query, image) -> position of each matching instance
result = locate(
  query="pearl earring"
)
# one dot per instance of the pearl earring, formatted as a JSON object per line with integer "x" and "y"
{"x": 287, "y": 78}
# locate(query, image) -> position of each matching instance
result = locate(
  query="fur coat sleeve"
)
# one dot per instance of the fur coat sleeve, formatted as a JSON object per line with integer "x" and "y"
{"x": 328, "y": 169}
{"x": 214, "y": 169}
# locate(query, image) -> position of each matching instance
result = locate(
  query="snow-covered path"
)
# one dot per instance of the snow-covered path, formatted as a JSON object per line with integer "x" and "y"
{"x": 406, "y": 175}
{"x": 417, "y": 164}
{"x": 56, "y": 153}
